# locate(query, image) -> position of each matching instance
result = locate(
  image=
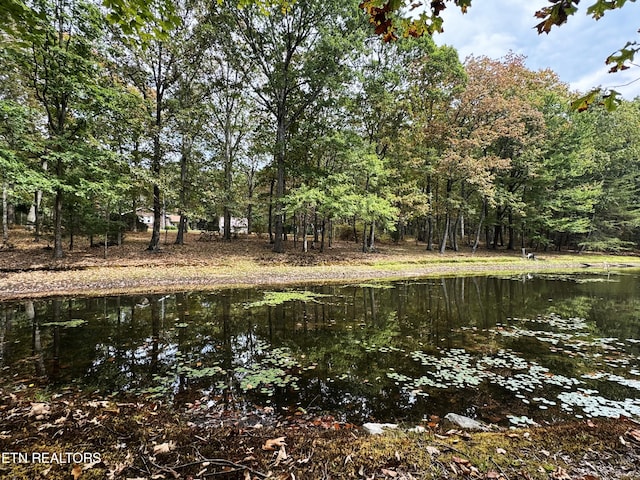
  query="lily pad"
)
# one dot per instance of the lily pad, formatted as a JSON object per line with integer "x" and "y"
{"x": 278, "y": 298}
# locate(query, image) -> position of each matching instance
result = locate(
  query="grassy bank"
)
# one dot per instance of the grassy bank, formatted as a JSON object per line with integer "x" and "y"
{"x": 28, "y": 270}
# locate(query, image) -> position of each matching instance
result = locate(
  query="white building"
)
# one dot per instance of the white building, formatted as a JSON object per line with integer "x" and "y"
{"x": 238, "y": 225}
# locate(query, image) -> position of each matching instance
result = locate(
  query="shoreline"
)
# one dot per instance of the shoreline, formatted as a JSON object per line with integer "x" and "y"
{"x": 28, "y": 270}
{"x": 122, "y": 280}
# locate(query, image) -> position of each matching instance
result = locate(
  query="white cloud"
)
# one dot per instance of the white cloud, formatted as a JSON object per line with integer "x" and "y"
{"x": 576, "y": 51}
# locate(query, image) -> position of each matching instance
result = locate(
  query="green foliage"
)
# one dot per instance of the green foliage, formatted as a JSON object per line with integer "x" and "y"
{"x": 272, "y": 299}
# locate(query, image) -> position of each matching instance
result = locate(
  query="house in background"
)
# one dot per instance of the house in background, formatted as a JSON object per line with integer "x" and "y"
{"x": 168, "y": 220}
{"x": 238, "y": 225}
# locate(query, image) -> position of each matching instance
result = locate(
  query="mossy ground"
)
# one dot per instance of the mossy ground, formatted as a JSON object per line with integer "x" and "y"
{"x": 141, "y": 439}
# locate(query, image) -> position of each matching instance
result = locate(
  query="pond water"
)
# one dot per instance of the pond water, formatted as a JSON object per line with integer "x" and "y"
{"x": 509, "y": 350}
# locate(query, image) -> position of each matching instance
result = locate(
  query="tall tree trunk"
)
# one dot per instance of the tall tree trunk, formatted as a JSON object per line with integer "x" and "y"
{"x": 278, "y": 244}
{"x": 305, "y": 246}
{"x": 5, "y": 214}
{"x": 364, "y": 238}
{"x": 316, "y": 237}
{"x": 182, "y": 225}
{"x": 250, "y": 188}
{"x": 447, "y": 221}
{"x": 156, "y": 160}
{"x": 429, "y": 216}
{"x": 479, "y": 229}
{"x": 57, "y": 216}
{"x": 454, "y": 234}
{"x": 271, "y": 188}
{"x": 445, "y": 236}
{"x": 372, "y": 233}
{"x": 157, "y": 212}
{"x": 228, "y": 175}
{"x": 57, "y": 226}
{"x": 322, "y": 234}
{"x": 511, "y": 243}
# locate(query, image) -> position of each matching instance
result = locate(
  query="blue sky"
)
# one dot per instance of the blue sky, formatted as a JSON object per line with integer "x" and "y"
{"x": 576, "y": 51}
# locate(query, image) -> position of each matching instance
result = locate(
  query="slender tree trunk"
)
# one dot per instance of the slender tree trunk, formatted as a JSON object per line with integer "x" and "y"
{"x": 372, "y": 233}
{"x": 5, "y": 215}
{"x": 315, "y": 228}
{"x": 278, "y": 244}
{"x": 157, "y": 213}
{"x": 271, "y": 237}
{"x": 364, "y": 238}
{"x": 156, "y": 160}
{"x": 57, "y": 218}
{"x": 305, "y": 245}
{"x": 511, "y": 243}
{"x": 447, "y": 220}
{"x": 322, "y": 233}
{"x": 228, "y": 176}
{"x": 429, "y": 216}
{"x": 454, "y": 235}
{"x": 479, "y": 229}
{"x": 445, "y": 236}
{"x": 250, "y": 188}
{"x": 182, "y": 225}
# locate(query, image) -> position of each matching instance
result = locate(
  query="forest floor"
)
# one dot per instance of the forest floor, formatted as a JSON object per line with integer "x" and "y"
{"x": 76, "y": 435}
{"x": 28, "y": 270}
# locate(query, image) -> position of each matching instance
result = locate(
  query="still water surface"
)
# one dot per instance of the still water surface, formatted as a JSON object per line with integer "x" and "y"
{"x": 510, "y": 350}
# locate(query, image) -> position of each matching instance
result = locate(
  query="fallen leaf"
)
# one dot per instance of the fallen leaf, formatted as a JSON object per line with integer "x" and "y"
{"x": 282, "y": 456}
{"x": 432, "y": 450}
{"x": 460, "y": 461}
{"x": 634, "y": 434}
{"x": 274, "y": 443}
{"x": 492, "y": 475}
{"x": 390, "y": 473}
{"x": 501, "y": 451}
{"x": 591, "y": 424}
{"x": 40, "y": 410}
{"x": 164, "y": 448}
{"x": 76, "y": 471}
{"x": 560, "y": 474}
{"x": 546, "y": 453}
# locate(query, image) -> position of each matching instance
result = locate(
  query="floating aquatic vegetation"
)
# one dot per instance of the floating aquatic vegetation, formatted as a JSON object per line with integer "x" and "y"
{"x": 272, "y": 370}
{"x": 521, "y": 421}
{"x": 554, "y": 320}
{"x": 597, "y": 406}
{"x": 278, "y": 298}
{"x": 67, "y": 324}
{"x": 527, "y": 379}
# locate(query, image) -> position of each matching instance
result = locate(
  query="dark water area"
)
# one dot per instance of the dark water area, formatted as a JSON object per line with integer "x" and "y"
{"x": 510, "y": 350}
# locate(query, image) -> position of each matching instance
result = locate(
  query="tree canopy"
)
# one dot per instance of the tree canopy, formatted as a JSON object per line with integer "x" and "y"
{"x": 392, "y": 19}
{"x": 298, "y": 124}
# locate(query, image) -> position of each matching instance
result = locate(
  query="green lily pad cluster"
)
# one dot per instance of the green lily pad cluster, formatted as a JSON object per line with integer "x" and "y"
{"x": 273, "y": 370}
{"x": 273, "y": 299}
